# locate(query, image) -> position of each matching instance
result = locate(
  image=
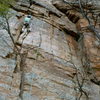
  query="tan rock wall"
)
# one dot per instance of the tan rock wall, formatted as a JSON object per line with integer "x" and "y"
{"x": 51, "y": 64}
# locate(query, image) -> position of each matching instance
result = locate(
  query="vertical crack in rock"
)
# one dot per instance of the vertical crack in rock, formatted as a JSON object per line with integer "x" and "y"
{"x": 22, "y": 69}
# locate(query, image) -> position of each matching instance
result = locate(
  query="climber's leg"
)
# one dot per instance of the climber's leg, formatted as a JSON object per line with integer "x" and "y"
{"x": 28, "y": 28}
{"x": 23, "y": 28}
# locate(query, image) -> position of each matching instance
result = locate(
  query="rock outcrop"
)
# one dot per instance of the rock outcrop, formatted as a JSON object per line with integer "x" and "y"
{"x": 58, "y": 60}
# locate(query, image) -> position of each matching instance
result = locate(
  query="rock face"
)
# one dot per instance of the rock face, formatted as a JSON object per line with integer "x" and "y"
{"x": 50, "y": 63}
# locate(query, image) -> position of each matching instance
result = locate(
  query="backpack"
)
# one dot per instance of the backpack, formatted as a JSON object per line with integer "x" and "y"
{"x": 27, "y": 19}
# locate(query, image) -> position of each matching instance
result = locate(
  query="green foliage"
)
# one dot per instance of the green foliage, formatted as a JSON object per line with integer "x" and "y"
{"x": 4, "y": 6}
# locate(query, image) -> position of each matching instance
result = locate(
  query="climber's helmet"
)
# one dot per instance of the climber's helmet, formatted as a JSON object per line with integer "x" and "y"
{"x": 29, "y": 16}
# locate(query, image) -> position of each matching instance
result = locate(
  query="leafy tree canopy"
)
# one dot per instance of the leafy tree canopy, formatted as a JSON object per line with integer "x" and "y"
{"x": 4, "y": 6}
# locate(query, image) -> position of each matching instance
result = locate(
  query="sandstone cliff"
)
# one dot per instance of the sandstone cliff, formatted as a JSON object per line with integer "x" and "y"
{"x": 58, "y": 60}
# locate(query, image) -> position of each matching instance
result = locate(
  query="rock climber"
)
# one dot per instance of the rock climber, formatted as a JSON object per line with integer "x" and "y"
{"x": 26, "y": 25}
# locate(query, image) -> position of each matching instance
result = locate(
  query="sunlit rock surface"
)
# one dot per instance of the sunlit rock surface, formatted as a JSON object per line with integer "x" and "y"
{"x": 49, "y": 70}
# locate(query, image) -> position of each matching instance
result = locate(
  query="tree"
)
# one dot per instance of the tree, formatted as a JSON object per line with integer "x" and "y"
{"x": 5, "y": 15}
{"x": 4, "y": 6}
